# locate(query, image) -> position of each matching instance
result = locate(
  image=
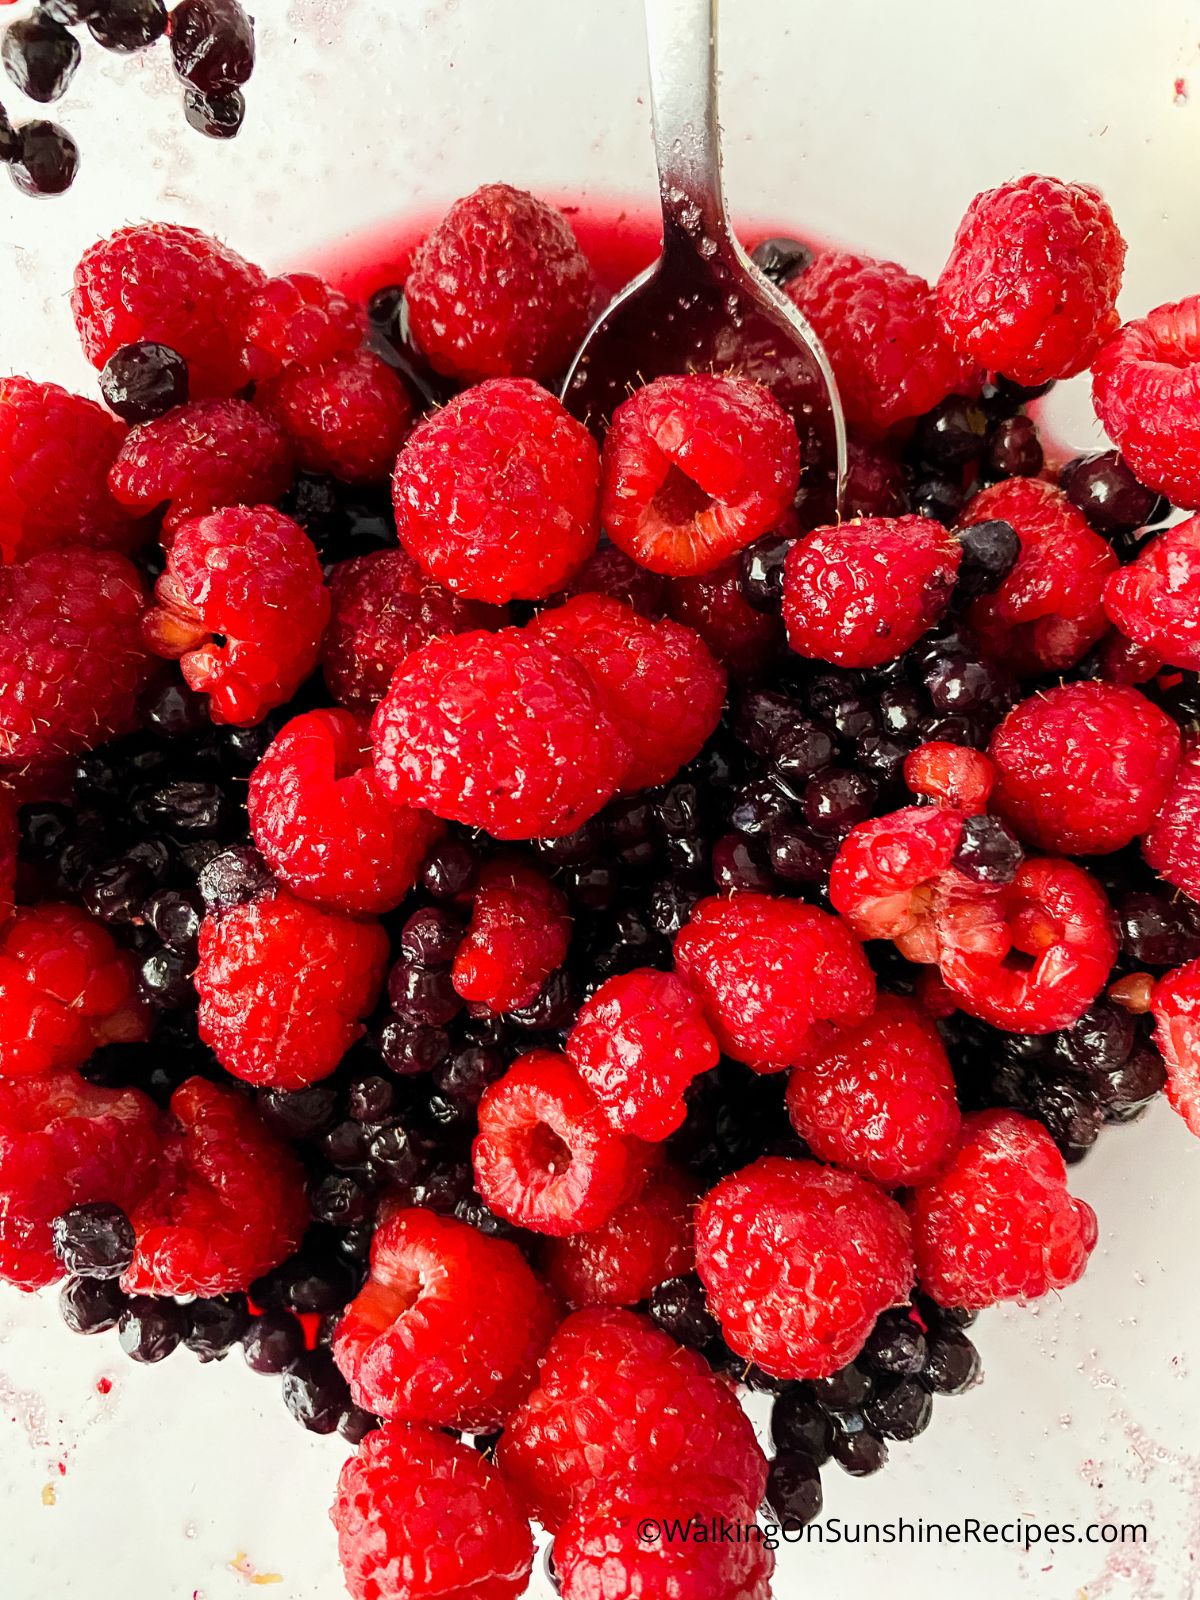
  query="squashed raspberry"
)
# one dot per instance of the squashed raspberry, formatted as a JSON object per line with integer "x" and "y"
{"x": 610, "y": 571}
{"x": 1049, "y": 611}
{"x": 618, "y": 1401}
{"x": 243, "y": 606}
{"x": 500, "y": 288}
{"x": 1030, "y": 289}
{"x": 229, "y": 1203}
{"x": 998, "y": 1223}
{"x": 888, "y": 872}
{"x": 174, "y": 285}
{"x": 420, "y": 1516}
{"x": 1172, "y": 846}
{"x": 518, "y": 934}
{"x": 498, "y": 731}
{"x": 776, "y": 977}
{"x": 658, "y": 681}
{"x": 282, "y": 987}
{"x": 495, "y": 494}
{"x": 1083, "y": 768}
{"x": 546, "y": 1157}
{"x": 862, "y": 593}
{"x": 951, "y": 775}
{"x": 742, "y": 639}
{"x": 348, "y": 416}
{"x": 1156, "y": 599}
{"x": 637, "y": 1043}
{"x": 1144, "y": 390}
{"x": 640, "y": 1246}
{"x": 798, "y": 1260}
{"x": 323, "y": 823}
{"x": 297, "y": 318}
{"x": 881, "y": 1101}
{"x": 64, "y": 1142}
{"x": 448, "y": 1327}
{"x": 1175, "y": 1002}
{"x": 880, "y": 328}
{"x": 694, "y": 469}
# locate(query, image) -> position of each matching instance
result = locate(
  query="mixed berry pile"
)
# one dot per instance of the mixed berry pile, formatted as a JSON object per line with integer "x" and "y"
{"x": 520, "y": 936}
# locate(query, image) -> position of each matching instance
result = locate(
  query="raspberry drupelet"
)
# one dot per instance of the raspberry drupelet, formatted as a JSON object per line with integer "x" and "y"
{"x": 646, "y": 1242}
{"x": 1175, "y": 1002}
{"x": 518, "y": 935}
{"x": 1144, "y": 392}
{"x": 297, "y": 318}
{"x": 347, "y": 416}
{"x": 1172, "y": 844}
{"x": 1155, "y": 600}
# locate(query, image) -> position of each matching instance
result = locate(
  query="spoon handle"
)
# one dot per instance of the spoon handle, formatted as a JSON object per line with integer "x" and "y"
{"x": 681, "y": 36}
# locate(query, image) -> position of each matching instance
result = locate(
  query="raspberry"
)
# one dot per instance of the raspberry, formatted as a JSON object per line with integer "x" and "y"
{"x": 546, "y": 1157}
{"x": 382, "y": 609}
{"x": 885, "y": 342}
{"x": 1030, "y": 289}
{"x": 742, "y": 639}
{"x": 887, "y": 872}
{"x": 498, "y": 731}
{"x": 798, "y": 1261}
{"x": 657, "y": 681}
{"x": 1144, "y": 392}
{"x": 297, "y": 318}
{"x": 420, "y": 1516}
{"x": 1156, "y": 599}
{"x": 200, "y": 457}
{"x": 243, "y": 604}
{"x": 518, "y": 934}
{"x": 1172, "y": 846}
{"x": 347, "y": 417}
{"x": 776, "y": 977}
{"x": 72, "y": 662}
{"x": 229, "y": 1203}
{"x": 1083, "y": 768}
{"x": 448, "y": 1327}
{"x": 617, "y": 1401}
{"x": 1049, "y": 611}
{"x": 1122, "y": 660}
{"x": 55, "y": 452}
{"x": 951, "y": 775}
{"x": 495, "y": 494}
{"x": 323, "y": 823}
{"x": 176, "y": 286}
{"x": 1175, "y": 1002}
{"x": 500, "y": 288}
{"x": 637, "y": 1044}
{"x": 610, "y": 571}
{"x": 998, "y": 1223}
{"x": 881, "y": 1101}
{"x": 1032, "y": 957}
{"x": 862, "y": 593}
{"x": 875, "y": 485}
{"x": 282, "y": 986}
{"x": 694, "y": 469}
{"x": 640, "y": 1246}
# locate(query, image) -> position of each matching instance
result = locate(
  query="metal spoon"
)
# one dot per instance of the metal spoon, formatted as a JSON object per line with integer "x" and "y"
{"x": 703, "y": 305}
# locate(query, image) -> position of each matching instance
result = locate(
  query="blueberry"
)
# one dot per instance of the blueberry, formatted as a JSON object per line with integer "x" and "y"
{"x": 272, "y": 1342}
{"x": 856, "y": 1447}
{"x": 218, "y": 115}
{"x": 1014, "y": 449}
{"x": 422, "y": 995}
{"x": 794, "y": 1489}
{"x": 215, "y": 1326}
{"x": 235, "y": 877}
{"x": 843, "y": 1390}
{"x": 989, "y": 553}
{"x": 91, "y": 1305}
{"x": 46, "y": 161}
{"x": 799, "y": 1424}
{"x": 354, "y": 1424}
{"x": 900, "y": 1410}
{"x": 950, "y": 435}
{"x": 40, "y": 56}
{"x": 1104, "y": 488}
{"x": 781, "y": 259}
{"x": 212, "y": 44}
{"x": 315, "y": 1392}
{"x": 94, "y": 1240}
{"x": 761, "y": 572}
{"x": 896, "y": 1345}
{"x": 150, "y": 1330}
{"x": 679, "y": 1308}
{"x": 299, "y": 1113}
{"x": 987, "y": 851}
{"x": 128, "y": 25}
{"x": 952, "y": 1364}
{"x": 431, "y": 937}
{"x": 143, "y": 381}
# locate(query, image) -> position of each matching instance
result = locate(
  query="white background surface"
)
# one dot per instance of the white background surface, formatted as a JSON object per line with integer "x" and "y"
{"x": 870, "y": 123}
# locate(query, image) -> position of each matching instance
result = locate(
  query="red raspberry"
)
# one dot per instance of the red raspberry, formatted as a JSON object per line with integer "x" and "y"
{"x": 640, "y": 1246}
{"x": 297, "y": 318}
{"x": 448, "y": 1327}
{"x": 885, "y": 341}
{"x": 8, "y": 853}
{"x": 55, "y": 452}
{"x": 881, "y": 1101}
{"x": 742, "y": 639}
{"x": 1172, "y": 846}
{"x": 1030, "y": 289}
{"x": 169, "y": 284}
{"x": 1033, "y": 956}
{"x": 64, "y": 1142}
{"x": 862, "y": 593}
{"x": 546, "y": 1157}
{"x": 798, "y": 1261}
{"x": 637, "y": 1044}
{"x": 320, "y": 818}
{"x": 518, "y": 935}
{"x": 1156, "y": 599}
{"x": 657, "y": 681}
{"x": 72, "y": 662}
{"x": 1122, "y": 660}
{"x": 875, "y": 485}
{"x": 1144, "y": 391}
{"x": 618, "y": 1401}
{"x": 951, "y": 775}
{"x": 347, "y": 417}
{"x": 420, "y": 1516}
{"x": 229, "y": 1203}
{"x": 694, "y": 469}
{"x": 1175, "y": 1002}
{"x": 243, "y": 603}
{"x": 200, "y": 457}
{"x": 500, "y": 288}
{"x": 888, "y": 874}
{"x": 498, "y": 731}
{"x": 282, "y": 986}
{"x": 1083, "y": 768}
{"x": 1049, "y": 611}
{"x": 777, "y": 978}
{"x": 998, "y": 1223}
{"x": 610, "y": 571}
{"x": 384, "y": 608}
{"x": 495, "y": 494}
